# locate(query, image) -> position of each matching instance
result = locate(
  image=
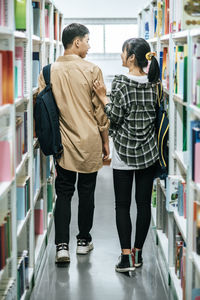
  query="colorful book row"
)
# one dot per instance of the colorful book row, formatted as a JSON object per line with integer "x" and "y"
{"x": 22, "y": 273}
{"x": 176, "y": 195}
{"x": 23, "y": 197}
{"x": 5, "y": 237}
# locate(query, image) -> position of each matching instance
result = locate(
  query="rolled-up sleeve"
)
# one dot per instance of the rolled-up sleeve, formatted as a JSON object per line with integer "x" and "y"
{"x": 99, "y": 114}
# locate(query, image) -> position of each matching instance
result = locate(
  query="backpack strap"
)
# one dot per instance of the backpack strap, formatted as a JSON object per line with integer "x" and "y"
{"x": 159, "y": 93}
{"x": 47, "y": 74}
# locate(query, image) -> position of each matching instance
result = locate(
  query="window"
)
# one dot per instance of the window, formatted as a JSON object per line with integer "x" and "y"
{"x": 108, "y": 35}
{"x": 96, "y": 38}
{"x": 115, "y": 35}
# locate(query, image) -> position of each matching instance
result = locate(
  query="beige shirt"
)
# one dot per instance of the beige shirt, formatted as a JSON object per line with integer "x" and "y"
{"x": 82, "y": 116}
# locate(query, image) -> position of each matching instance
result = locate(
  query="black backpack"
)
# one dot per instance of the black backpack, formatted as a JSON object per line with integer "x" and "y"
{"x": 162, "y": 131}
{"x": 46, "y": 115}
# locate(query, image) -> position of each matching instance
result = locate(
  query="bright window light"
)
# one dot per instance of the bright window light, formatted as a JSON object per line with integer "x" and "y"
{"x": 115, "y": 35}
{"x": 96, "y": 38}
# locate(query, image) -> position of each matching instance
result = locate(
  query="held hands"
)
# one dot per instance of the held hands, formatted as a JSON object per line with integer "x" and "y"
{"x": 100, "y": 90}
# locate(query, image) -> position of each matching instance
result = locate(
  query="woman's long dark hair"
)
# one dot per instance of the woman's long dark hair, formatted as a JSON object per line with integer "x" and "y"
{"x": 140, "y": 48}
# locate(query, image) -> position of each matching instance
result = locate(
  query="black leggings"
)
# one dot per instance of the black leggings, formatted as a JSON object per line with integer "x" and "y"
{"x": 123, "y": 182}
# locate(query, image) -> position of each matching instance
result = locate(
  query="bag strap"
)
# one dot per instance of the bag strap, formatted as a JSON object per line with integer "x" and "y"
{"x": 159, "y": 92}
{"x": 47, "y": 74}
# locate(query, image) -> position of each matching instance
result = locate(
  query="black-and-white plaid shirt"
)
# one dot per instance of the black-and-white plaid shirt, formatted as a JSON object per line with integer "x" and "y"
{"x": 132, "y": 113}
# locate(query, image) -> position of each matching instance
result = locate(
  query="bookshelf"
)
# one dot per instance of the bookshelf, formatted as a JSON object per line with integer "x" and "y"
{"x": 175, "y": 219}
{"x": 30, "y": 37}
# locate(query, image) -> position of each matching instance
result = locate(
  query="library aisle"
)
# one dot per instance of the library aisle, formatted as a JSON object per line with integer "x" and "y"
{"x": 92, "y": 276}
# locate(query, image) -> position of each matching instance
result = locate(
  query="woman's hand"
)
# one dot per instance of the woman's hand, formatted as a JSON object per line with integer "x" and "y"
{"x": 100, "y": 90}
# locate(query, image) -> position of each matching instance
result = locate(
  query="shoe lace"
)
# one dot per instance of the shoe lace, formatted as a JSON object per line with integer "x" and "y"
{"x": 81, "y": 242}
{"x": 62, "y": 246}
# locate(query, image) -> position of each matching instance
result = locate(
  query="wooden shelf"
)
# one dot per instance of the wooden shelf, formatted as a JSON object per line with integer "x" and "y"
{"x": 5, "y": 109}
{"x": 5, "y": 187}
{"x": 195, "y": 32}
{"x": 6, "y": 30}
{"x": 19, "y": 168}
{"x": 176, "y": 283}
{"x": 179, "y": 99}
{"x": 153, "y": 40}
{"x": 164, "y": 38}
{"x": 179, "y": 157}
{"x": 22, "y": 223}
{"x": 181, "y": 223}
{"x": 195, "y": 110}
{"x": 19, "y": 101}
{"x": 182, "y": 35}
{"x": 196, "y": 261}
{"x": 22, "y": 35}
{"x": 163, "y": 242}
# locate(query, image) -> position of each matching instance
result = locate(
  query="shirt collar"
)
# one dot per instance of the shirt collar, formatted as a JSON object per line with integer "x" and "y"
{"x": 68, "y": 57}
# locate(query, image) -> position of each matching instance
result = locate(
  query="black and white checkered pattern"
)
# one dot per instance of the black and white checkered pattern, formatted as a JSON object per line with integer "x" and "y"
{"x": 132, "y": 114}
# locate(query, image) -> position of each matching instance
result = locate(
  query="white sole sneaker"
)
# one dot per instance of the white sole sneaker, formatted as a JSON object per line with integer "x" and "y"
{"x": 84, "y": 249}
{"x": 130, "y": 269}
{"x": 62, "y": 256}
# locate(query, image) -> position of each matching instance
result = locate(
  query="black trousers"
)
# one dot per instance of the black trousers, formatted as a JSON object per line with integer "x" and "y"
{"x": 65, "y": 187}
{"x": 123, "y": 181}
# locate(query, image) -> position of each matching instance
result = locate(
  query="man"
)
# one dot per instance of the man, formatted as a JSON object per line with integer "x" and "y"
{"x": 84, "y": 133}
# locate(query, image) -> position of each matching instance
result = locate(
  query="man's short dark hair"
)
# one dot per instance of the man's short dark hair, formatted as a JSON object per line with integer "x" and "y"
{"x": 72, "y": 31}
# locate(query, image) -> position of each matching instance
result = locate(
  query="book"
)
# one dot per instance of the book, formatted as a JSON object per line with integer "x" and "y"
{"x": 196, "y": 294}
{"x": 36, "y": 18}
{"x": 198, "y": 228}
{"x": 196, "y": 140}
{"x": 24, "y": 140}
{"x": 3, "y": 13}
{"x": 7, "y": 76}
{"x": 195, "y": 129}
{"x": 19, "y": 64}
{"x": 38, "y": 215}
{"x": 195, "y": 71}
{"x": 36, "y": 68}
{"x": 20, "y": 14}
{"x": 161, "y": 64}
{"x": 6, "y": 167}
{"x": 1, "y": 71}
{"x": 19, "y": 127}
{"x": 180, "y": 70}
{"x": 2, "y": 245}
{"x": 181, "y": 186}
{"x": 55, "y": 25}
{"x": 21, "y": 198}
{"x": 166, "y": 16}
{"x": 46, "y": 12}
{"x": 159, "y": 18}
{"x": 36, "y": 163}
{"x": 172, "y": 192}
{"x": 193, "y": 124}
{"x": 164, "y": 66}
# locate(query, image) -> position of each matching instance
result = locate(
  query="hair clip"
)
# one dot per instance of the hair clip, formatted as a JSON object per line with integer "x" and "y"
{"x": 149, "y": 55}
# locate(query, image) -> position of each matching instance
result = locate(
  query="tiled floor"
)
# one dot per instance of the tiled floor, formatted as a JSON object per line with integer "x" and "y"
{"x": 93, "y": 277}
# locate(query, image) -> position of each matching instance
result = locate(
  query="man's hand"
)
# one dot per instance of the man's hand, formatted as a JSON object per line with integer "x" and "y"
{"x": 106, "y": 151}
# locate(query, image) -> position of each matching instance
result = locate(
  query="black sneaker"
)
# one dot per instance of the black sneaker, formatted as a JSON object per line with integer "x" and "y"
{"x": 126, "y": 263}
{"x": 137, "y": 257}
{"x": 62, "y": 253}
{"x": 83, "y": 246}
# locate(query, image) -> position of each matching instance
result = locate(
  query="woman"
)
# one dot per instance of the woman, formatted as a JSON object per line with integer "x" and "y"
{"x": 132, "y": 114}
